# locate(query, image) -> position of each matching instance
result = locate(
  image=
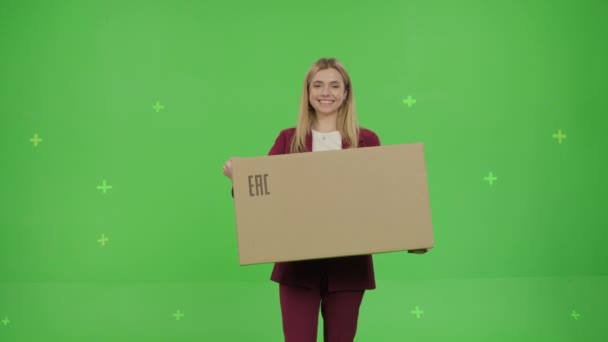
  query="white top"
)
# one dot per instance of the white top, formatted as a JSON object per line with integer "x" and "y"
{"x": 326, "y": 141}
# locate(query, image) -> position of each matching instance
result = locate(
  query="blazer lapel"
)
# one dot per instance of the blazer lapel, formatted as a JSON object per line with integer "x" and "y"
{"x": 309, "y": 141}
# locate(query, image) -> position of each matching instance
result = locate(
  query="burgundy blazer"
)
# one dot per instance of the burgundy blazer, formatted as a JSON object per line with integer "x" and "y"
{"x": 343, "y": 273}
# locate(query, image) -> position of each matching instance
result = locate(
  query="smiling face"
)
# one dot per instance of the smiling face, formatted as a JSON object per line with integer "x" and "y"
{"x": 326, "y": 92}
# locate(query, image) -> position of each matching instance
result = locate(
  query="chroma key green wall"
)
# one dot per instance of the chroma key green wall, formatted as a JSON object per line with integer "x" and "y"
{"x": 116, "y": 223}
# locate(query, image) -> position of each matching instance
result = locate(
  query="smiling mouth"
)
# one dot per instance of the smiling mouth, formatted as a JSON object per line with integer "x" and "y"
{"x": 326, "y": 101}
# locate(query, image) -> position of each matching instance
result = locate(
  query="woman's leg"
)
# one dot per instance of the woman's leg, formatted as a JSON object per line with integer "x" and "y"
{"x": 300, "y": 311}
{"x": 340, "y": 312}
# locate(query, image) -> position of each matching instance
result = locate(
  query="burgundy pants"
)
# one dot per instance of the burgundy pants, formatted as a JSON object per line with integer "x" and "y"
{"x": 300, "y": 311}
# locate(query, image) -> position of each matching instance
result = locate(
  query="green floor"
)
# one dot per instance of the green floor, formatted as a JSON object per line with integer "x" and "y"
{"x": 526, "y": 309}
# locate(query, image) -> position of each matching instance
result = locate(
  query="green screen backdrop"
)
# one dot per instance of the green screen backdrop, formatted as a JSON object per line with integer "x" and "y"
{"x": 116, "y": 223}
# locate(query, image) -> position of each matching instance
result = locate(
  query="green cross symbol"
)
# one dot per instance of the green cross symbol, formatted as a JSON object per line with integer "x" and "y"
{"x": 158, "y": 107}
{"x": 36, "y": 140}
{"x": 575, "y": 314}
{"x": 178, "y": 315}
{"x": 409, "y": 101}
{"x": 104, "y": 187}
{"x": 103, "y": 240}
{"x": 5, "y": 321}
{"x": 559, "y": 136}
{"x": 417, "y": 312}
{"x": 490, "y": 178}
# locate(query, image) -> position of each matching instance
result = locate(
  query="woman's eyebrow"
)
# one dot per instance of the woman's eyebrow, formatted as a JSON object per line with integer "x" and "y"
{"x": 322, "y": 81}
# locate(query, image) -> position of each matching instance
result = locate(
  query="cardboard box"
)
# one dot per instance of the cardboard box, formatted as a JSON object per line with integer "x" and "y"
{"x": 331, "y": 203}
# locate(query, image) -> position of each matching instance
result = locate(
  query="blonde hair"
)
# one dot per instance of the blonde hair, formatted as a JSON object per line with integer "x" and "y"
{"x": 346, "y": 122}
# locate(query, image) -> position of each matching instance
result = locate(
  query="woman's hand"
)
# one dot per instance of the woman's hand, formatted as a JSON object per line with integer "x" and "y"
{"x": 227, "y": 170}
{"x": 418, "y": 251}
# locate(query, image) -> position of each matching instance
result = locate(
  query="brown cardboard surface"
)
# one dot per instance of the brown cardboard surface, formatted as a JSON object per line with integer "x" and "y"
{"x": 331, "y": 203}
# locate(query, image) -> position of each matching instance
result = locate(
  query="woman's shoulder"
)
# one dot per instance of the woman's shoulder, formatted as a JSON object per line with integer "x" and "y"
{"x": 288, "y": 131}
{"x": 366, "y": 133}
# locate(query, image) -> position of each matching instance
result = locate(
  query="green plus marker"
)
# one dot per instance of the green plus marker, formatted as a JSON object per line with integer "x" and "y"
{"x": 575, "y": 315}
{"x": 559, "y": 136}
{"x": 36, "y": 140}
{"x": 103, "y": 240}
{"x": 490, "y": 178}
{"x": 158, "y": 107}
{"x": 409, "y": 101}
{"x": 104, "y": 187}
{"x": 417, "y": 312}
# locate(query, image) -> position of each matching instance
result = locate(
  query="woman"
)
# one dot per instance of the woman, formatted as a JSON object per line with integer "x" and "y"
{"x": 326, "y": 121}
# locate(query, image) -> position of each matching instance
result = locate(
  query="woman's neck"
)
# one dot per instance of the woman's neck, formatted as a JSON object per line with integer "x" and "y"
{"x": 325, "y": 124}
